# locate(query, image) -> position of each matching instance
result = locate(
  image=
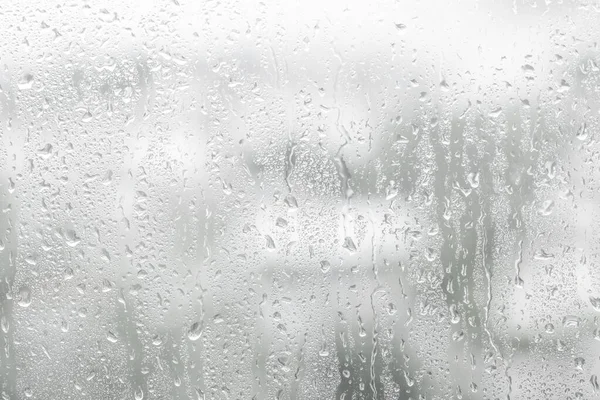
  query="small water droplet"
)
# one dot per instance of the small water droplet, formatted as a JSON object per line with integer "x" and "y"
{"x": 26, "y": 82}
{"x": 546, "y": 208}
{"x": 349, "y": 244}
{"x": 4, "y": 324}
{"x": 71, "y": 238}
{"x": 111, "y": 337}
{"x": 45, "y": 152}
{"x": 24, "y": 297}
{"x": 195, "y": 332}
{"x": 281, "y": 223}
{"x": 270, "y": 242}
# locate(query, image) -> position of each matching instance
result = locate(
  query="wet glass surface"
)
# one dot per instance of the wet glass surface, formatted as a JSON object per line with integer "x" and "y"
{"x": 299, "y": 200}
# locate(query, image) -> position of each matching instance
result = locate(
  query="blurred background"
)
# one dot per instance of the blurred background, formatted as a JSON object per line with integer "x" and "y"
{"x": 299, "y": 200}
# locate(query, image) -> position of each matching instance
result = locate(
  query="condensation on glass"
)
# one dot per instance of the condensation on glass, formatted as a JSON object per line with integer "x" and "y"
{"x": 299, "y": 199}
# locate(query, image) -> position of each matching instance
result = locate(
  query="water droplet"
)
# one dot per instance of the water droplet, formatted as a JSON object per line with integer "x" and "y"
{"x": 582, "y": 133}
{"x": 281, "y": 223}
{"x": 26, "y": 82}
{"x": 595, "y": 302}
{"x": 111, "y": 337}
{"x": 45, "y": 152}
{"x": 349, "y": 244}
{"x": 473, "y": 179}
{"x": 87, "y": 117}
{"x": 571, "y": 321}
{"x": 270, "y": 242}
{"x": 195, "y": 332}
{"x": 68, "y": 273}
{"x": 31, "y": 259}
{"x": 71, "y": 238}
{"x": 4, "y": 324}
{"x": 24, "y": 297}
{"x": 546, "y": 208}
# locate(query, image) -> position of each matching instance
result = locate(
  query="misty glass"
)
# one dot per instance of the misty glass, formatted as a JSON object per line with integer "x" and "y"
{"x": 299, "y": 199}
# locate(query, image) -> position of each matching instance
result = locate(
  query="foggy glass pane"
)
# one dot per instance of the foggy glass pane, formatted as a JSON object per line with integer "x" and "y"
{"x": 299, "y": 199}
